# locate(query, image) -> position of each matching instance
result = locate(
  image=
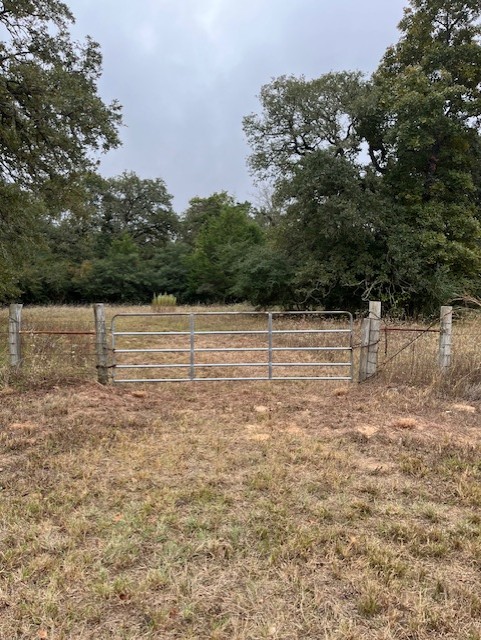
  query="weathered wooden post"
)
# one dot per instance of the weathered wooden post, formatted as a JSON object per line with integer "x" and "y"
{"x": 101, "y": 344}
{"x": 446, "y": 338}
{"x": 370, "y": 338}
{"x": 365, "y": 331}
{"x": 375, "y": 310}
{"x": 14, "y": 336}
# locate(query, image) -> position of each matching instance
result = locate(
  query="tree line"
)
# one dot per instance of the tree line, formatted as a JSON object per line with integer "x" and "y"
{"x": 130, "y": 244}
{"x": 372, "y": 184}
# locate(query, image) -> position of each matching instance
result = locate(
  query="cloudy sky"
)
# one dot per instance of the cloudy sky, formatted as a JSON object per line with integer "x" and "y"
{"x": 187, "y": 71}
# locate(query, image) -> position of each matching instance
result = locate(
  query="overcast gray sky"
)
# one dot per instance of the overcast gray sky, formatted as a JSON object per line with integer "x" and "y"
{"x": 187, "y": 71}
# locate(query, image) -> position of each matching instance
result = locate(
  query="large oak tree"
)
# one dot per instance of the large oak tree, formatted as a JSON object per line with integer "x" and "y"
{"x": 411, "y": 135}
{"x": 52, "y": 120}
{"x": 53, "y": 123}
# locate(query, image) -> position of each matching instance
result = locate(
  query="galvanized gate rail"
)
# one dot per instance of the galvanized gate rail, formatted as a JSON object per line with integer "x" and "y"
{"x": 193, "y": 366}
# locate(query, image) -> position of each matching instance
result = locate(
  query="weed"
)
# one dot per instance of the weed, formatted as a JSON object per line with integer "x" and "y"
{"x": 369, "y": 603}
{"x": 164, "y": 301}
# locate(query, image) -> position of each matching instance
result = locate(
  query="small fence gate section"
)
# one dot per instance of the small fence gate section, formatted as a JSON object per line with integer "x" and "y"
{"x": 232, "y": 346}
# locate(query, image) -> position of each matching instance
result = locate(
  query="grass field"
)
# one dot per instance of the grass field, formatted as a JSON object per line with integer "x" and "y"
{"x": 244, "y": 511}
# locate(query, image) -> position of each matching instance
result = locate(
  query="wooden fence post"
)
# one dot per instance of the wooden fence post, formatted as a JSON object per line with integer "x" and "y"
{"x": 14, "y": 336}
{"x": 370, "y": 338}
{"x": 446, "y": 338}
{"x": 375, "y": 310}
{"x": 101, "y": 344}
{"x": 365, "y": 331}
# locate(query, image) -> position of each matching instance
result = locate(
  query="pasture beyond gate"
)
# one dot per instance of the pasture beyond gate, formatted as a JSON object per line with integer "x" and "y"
{"x": 232, "y": 346}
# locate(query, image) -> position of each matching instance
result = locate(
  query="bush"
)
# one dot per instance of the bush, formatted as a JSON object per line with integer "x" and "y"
{"x": 163, "y": 301}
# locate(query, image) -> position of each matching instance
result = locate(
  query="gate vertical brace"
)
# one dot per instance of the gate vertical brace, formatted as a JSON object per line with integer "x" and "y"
{"x": 351, "y": 345}
{"x": 269, "y": 328}
{"x": 113, "y": 348}
{"x": 192, "y": 346}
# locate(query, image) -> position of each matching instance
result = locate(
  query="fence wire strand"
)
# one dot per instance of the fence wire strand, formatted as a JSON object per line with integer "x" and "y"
{"x": 420, "y": 334}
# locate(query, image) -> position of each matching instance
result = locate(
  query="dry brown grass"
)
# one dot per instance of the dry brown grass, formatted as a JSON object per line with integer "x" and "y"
{"x": 238, "y": 511}
{"x": 417, "y": 363}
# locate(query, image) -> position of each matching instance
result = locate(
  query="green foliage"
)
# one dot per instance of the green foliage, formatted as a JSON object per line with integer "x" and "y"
{"x": 263, "y": 277}
{"x": 332, "y": 231}
{"x": 19, "y": 231}
{"x": 200, "y": 211}
{"x": 115, "y": 245}
{"x": 130, "y": 204}
{"x": 167, "y": 270}
{"x": 220, "y": 245}
{"x": 373, "y": 185}
{"x": 302, "y": 116}
{"x": 428, "y": 91}
{"x": 53, "y": 123}
{"x": 407, "y": 227}
{"x": 117, "y": 277}
{"x": 52, "y": 116}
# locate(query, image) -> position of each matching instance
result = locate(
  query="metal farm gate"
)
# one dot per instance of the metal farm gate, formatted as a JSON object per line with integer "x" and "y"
{"x": 223, "y": 346}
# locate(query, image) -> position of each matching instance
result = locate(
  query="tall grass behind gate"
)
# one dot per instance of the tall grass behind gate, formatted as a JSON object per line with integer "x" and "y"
{"x": 51, "y": 350}
{"x": 464, "y": 377}
{"x": 407, "y": 357}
